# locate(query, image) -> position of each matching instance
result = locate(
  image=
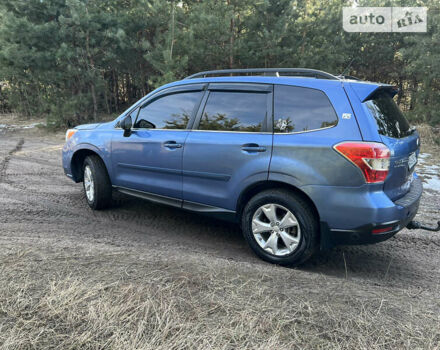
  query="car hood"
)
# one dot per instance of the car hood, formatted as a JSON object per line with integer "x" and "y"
{"x": 87, "y": 126}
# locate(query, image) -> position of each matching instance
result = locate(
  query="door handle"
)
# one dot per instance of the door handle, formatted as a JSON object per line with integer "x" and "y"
{"x": 253, "y": 147}
{"x": 172, "y": 144}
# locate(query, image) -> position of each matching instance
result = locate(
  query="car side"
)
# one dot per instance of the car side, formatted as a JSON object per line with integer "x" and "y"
{"x": 259, "y": 150}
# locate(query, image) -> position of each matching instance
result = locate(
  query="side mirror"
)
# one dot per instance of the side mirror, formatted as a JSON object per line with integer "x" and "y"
{"x": 126, "y": 125}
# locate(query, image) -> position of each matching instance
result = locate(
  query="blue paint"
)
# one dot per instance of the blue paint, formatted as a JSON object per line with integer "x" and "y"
{"x": 214, "y": 168}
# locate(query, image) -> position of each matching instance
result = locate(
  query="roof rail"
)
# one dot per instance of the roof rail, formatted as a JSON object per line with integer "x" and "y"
{"x": 301, "y": 72}
{"x": 349, "y": 77}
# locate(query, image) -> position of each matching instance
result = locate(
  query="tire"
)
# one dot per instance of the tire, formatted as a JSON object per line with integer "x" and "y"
{"x": 302, "y": 239}
{"x": 96, "y": 183}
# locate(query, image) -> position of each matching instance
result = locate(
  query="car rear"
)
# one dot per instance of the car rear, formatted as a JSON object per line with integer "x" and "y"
{"x": 389, "y": 150}
{"x": 396, "y": 133}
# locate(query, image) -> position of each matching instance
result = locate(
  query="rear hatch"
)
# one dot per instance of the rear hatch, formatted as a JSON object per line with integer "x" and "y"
{"x": 400, "y": 138}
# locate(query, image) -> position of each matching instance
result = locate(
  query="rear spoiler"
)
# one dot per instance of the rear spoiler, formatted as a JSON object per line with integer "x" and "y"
{"x": 367, "y": 91}
{"x": 389, "y": 89}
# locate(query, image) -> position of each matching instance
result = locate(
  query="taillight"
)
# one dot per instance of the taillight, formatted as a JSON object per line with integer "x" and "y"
{"x": 372, "y": 158}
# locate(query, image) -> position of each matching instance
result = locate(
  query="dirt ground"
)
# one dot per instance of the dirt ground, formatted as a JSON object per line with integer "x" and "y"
{"x": 144, "y": 276}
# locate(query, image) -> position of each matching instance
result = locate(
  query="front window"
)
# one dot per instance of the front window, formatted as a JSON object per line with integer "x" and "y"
{"x": 168, "y": 112}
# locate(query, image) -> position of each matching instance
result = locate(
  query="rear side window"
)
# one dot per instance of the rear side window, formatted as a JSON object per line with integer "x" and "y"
{"x": 298, "y": 109}
{"x": 169, "y": 111}
{"x": 234, "y": 111}
{"x": 389, "y": 118}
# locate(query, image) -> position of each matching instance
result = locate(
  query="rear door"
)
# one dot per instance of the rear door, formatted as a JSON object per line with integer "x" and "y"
{"x": 401, "y": 139}
{"x": 230, "y": 145}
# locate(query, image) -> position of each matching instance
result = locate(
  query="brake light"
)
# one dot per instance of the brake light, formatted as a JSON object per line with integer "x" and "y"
{"x": 372, "y": 158}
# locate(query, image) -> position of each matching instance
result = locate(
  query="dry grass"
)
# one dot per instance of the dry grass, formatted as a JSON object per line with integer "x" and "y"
{"x": 111, "y": 301}
{"x": 428, "y": 134}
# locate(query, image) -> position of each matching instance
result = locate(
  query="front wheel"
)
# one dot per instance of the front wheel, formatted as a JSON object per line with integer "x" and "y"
{"x": 280, "y": 227}
{"x": 96, "y": 182}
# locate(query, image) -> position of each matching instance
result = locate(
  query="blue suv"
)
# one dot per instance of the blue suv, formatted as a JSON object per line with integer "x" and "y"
{"x": 302, "y": 159}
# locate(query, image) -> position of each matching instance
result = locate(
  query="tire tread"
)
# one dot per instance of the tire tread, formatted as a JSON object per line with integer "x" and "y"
{"x": 103, "y": 187}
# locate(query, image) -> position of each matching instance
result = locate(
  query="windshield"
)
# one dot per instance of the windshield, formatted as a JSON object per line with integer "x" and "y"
{"x": 389, "y": 118}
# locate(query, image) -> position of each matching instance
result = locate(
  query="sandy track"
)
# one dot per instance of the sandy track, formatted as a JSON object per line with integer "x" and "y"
{"x": 44, "y": 214}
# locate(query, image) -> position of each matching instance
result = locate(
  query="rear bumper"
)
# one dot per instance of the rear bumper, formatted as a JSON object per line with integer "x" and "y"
{"x": 365, "y": 235}
{"x": 390, "y": 218}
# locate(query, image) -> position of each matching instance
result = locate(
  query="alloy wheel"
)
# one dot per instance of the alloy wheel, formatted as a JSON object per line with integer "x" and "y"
{"x": 276, "y": 229}
{"x": 89, "y": 184}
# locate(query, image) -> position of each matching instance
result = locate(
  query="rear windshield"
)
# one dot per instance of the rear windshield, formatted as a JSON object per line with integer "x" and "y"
{"x": 389, "y": 118}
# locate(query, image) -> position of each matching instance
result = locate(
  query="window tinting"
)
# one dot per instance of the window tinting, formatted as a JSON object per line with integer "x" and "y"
{"x": 389, "y": 119}
{"x": 234, "y": 111}
{"x": 300, "y": 109}
{"x": 168, "y": 112}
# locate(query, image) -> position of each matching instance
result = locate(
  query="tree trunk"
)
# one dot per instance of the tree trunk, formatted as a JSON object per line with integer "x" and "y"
{"x": 115, "y": 91}
{"x": 400, "y": 92}
{"x": 95, "y": 104}
{"x": 413, "y": 94}
{"x": 107, "y": 104}
{"x": 106, "y": 99}
{"x": 231, "y": 38}
{"x": 172, "y": 30}
{"x": 231, "y": 44}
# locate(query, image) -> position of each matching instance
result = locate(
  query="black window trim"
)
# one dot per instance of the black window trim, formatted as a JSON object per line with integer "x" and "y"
{"x": 304, "y": 131}
{"x": 137, "y": 109}
{"x": 194, "y": 121}
{"x": 238, "y": 87}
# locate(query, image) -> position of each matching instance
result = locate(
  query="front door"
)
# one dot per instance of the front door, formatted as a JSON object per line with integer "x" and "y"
{"x": 230, "y": 145}
{"x": 150, "y": 159}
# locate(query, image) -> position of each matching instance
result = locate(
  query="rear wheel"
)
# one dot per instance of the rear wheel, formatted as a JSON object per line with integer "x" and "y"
{"x": 280, "y": 227}
{"x": 96, "y": 182}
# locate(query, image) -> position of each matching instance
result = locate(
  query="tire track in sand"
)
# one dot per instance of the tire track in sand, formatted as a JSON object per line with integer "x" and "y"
{"x": 4, "y": 163}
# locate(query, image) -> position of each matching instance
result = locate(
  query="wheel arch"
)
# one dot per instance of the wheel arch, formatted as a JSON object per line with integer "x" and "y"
{"x": 77, "y": 162}
{"x": 255, "y": 188}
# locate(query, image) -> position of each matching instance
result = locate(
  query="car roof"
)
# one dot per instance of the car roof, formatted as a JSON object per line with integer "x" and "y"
{"x": 362, "y": 88}
{"x": 283, "y": 80}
